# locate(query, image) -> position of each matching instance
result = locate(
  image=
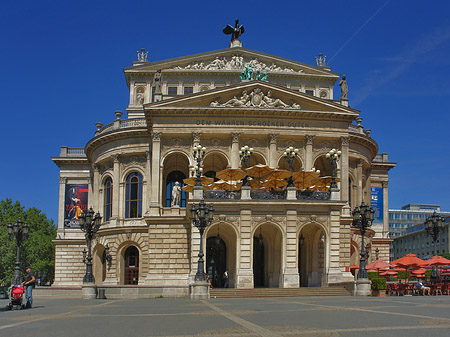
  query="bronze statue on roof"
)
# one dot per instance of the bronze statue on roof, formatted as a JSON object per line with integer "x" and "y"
{"x": 235, "y": 31}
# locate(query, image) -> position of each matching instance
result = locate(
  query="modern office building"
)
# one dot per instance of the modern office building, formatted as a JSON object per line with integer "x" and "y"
{"x": 265, "y": 237}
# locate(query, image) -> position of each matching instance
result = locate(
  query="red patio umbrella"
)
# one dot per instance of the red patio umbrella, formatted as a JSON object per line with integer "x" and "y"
{"x": 378, "y": 264}
{"x": 354, "y": 266}
{"x": 408, "y": 261}
{"x": 438, "y": 261}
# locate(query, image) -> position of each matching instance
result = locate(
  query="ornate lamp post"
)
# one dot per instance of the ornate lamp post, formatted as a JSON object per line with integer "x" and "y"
{"x": 19, "y": 231}
{"x": 244, "y": 154}
{"x": 377, "y": 252}
{"x": 362, "y": 219}
{"x": 89, "y": 224}
{"x": 290, "y": 154}
{"x": 433, "y": 225}
{"x": 333, "y": 157}
{"x": 199, "y": 154}
{"x": 201, "y": 217}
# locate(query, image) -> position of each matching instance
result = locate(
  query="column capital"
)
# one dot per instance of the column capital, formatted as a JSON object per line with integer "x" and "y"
{"x": 273, "y": 138}
{"x": 62, "y": 180}
{"x": 309, "y": 139}
{"x": 196, "y": 136}
{"x": 148, "y": 154}
{"x": 156, "y": 136}
{"x": 95, "y": 167}
{"x": 345, "y": 140}
{"x": 385, "y": 184}
{"x": 235, "y": 137}
{"x": 359, "y": 162}
{"x": 115, "y": 158}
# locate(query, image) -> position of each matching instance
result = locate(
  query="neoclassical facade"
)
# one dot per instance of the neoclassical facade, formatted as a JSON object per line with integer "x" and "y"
{"x": 263, "y": 239}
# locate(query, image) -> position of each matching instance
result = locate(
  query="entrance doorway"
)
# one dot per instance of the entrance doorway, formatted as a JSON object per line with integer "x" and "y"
{"x": 258, "y": 262}
{"x": 311, "y": 256}
{"x": 216, "y": 260}
{"x": 131, "y": 265}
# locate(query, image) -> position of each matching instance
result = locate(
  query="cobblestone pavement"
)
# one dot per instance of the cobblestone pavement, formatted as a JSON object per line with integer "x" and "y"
{"x": 318, "y": 316}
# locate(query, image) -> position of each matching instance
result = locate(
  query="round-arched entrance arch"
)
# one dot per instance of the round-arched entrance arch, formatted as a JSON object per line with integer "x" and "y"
{"x": 131, "y": 265}
{"x": 311, "y": 255}
{"x": 267, "y": 256}
{"x": 216, "y": 260}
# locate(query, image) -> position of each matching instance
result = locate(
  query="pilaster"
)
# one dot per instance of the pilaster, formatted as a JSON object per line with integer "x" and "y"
{"x": 344, "y": 168}
{"x": 116, "y": 185}
{"x": 244, "y": 277}
{"x": 359, "y": 189}
{"x": 235, "y": 150}
{"x": 308, "y": 152}
{"x": 273, "y": 150}
{"x": 290, "y": 276}
{"x": 156, "y": 160}
{"x": 334, "y": 270}
{"x": 62, "y": 192}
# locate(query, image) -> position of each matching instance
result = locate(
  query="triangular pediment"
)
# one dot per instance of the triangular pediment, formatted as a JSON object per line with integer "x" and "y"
{"x": 233, "y": 60}
{"x": 255, "y": 96}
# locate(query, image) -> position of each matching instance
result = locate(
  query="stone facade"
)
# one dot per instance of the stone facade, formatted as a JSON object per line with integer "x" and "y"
{"x": 262, "y": 238}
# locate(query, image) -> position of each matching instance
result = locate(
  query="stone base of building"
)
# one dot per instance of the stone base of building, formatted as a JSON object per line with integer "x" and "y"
{"x": 200, "y": 291}
{"x": 89, "y": 291}
{"x": 244, "y": 279}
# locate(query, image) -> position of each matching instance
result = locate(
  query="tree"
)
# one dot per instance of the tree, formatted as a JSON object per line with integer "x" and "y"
{"x": 38, "y": 251}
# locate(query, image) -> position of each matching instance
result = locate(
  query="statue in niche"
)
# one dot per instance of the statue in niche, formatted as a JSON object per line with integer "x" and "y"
{"x": 344, "y": 88}
{"x": 140, "y": 96}
{"x": 176, "y": 194}
{"x": 157, "y": 82}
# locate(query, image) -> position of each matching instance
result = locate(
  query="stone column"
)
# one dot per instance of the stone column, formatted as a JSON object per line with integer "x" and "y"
{"x": 62, "y": 195}
{"x": 344, "y": 168}
{"x": 309, "y": 152}
{"x": 334, "y": 270}
{"x": 116, "y": 194}
{"x": 291, "y": 277}
{"x": 385, "y": 209}
{"x": 148, "y": 174}
{"x": 235, "y": 150}
{"x": 156, "y": 159}
{"x": 244, "y": 277}
{"x": 196, "y": 139}
{"x": 359, "y": 189}
{"x": 96, "y": 202}
{"x": 273, "y": 150}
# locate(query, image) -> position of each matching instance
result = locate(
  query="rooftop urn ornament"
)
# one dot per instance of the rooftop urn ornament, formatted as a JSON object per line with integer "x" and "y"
{"x": 142, "y": 55}
{"x": 235, "y": 32}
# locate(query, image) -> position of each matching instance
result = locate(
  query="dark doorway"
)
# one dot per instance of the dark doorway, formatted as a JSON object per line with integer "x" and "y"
{"x": 131, "y": 265}
{"x": 216, "y": 260}
{"x": 258, "y": 262}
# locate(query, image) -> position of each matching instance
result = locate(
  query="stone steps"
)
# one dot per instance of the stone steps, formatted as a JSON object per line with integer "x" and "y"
{"x": 278, "y": 292}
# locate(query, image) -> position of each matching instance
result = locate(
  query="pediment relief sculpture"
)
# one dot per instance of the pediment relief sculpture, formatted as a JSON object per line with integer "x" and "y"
{"x": 257, "y": 98}
{"x": 236, "y": 62}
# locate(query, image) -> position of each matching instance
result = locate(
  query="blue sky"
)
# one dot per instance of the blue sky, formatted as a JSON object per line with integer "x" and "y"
{"x": 62, "y": 71}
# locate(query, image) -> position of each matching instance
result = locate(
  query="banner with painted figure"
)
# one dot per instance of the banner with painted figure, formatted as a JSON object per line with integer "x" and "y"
{"x": 376, "y": 202}
{"x": 75, "y": 202}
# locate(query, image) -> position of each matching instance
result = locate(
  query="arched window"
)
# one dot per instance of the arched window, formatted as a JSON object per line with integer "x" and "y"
{"x": 133, "y": 195}
{"x": 107, "y": 199}
{"x": 173, "y": 177}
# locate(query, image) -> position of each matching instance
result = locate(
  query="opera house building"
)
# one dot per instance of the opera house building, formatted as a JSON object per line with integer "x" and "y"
{"x": 275, "y": 150}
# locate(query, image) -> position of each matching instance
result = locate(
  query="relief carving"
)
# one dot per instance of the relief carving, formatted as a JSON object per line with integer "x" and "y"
{"x": 134, "y": 160}
{"x": 156, "y": 136}
{"x": 105, "y": 167}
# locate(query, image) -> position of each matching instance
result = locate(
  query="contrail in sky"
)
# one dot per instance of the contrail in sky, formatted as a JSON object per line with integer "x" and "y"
{"x": 359, "y": 29}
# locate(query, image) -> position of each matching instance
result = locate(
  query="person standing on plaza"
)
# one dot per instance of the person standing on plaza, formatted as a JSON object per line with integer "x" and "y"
{"x": 225, "y": 277}
{"x": 29, "y": 285}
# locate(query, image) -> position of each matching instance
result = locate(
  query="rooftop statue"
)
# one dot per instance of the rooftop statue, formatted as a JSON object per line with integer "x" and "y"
{"x": 344, "y": 88}
{"x": 142, "y": 55}
{"x": 235, "y": 31}
{"x": 321, "y": 60}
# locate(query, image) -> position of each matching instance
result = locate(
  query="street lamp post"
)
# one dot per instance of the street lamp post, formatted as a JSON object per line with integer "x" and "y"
{"x": 433, "y": 225}
{"x": 333, "y": 157}
{"x": 89, "y": 224}
{"x": 290, "y": 154}
{"x": 19, "y": 231}
{"x": 362, "y": 219}
{"x": 201, "y": 217}
{"x": 199, "y": 154}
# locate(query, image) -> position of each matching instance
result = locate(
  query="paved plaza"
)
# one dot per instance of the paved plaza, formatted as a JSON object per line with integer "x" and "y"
{"x": 306, "y": 316}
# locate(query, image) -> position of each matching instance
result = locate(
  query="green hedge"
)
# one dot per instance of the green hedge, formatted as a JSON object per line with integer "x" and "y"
{"x": 372, "y": 275}
{"x": 404, "y": 274}
{"x": 379, "y": 283}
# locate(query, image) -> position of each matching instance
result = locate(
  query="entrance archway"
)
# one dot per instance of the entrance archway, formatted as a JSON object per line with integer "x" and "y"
{"x": 131, "y": 267}
{"x": 311, "y": 255}
{"x": 267, "y": 256}
{"x": 221, "y": 243}
{"x": 216, "y": 260}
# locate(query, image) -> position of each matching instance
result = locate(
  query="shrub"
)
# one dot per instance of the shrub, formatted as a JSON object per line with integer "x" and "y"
{"x": 372, "y": 275}
{"x": 404, "y": 274}
{"x": 379, "y": 283}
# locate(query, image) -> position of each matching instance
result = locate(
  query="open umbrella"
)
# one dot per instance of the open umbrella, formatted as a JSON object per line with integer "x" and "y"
{"x": 304, "y": 179}
{"x": 274, "y": 184}
{"x": 354, "y": 266}
{"x": 378, "y": 264}
{"x": 277, "y": 175}
{"x": 231, "y": 174}
{"x": 204, "y": 180}
{"x": 324, "y": 182}
{"x": 226, "y": 185}
{"x": 387, "y": 272}
{"x": 437, "y": 261}
{"x": 188, "y": 188}
{"x": 259, "y": 170}
{"x": 419, "y": 271}
{"x": 408, "y": 261}
{"x": 255, "y": 184}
